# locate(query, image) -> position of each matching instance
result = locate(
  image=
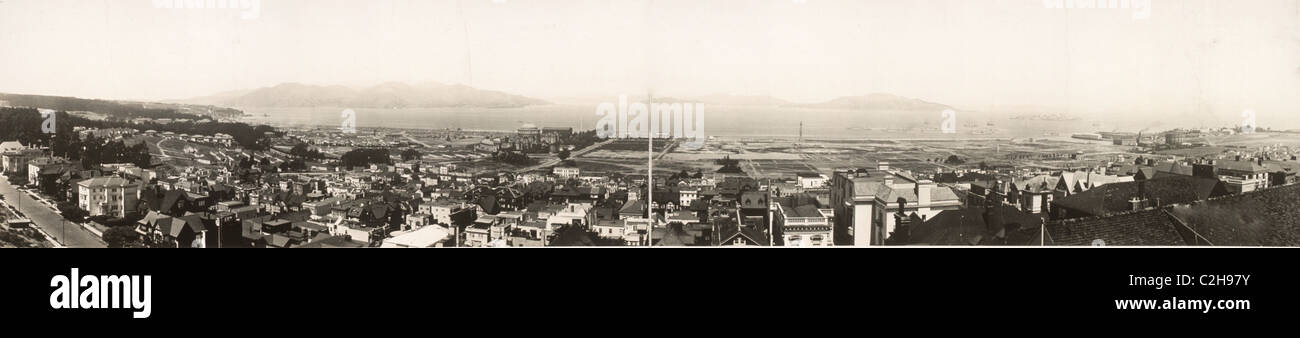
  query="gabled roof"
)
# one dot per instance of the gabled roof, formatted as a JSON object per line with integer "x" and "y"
{"x": 729, "y": 232}
{"x": 1115, "y": 197}
{"x": 152, "y": 218}
{"x": 632, "y": 207}
{"x": 1038, "y": 184}
{"x": 1175, "y": 168}
{"x": 170, "y": 198}
{"x": 192, "y": 221}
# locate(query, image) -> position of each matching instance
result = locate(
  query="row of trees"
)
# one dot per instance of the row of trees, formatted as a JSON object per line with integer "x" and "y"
{"x": 25, "y": 124}
{"x": 410, "y": 154}
{"x": 364, "y": 157}
{"x": 303, "y": 151}
{"x": 513, "y": 158}
{"x": 583, "y": 139}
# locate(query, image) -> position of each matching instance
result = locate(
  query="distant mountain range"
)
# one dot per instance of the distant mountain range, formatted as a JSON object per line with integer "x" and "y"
{"x": 387, "y": 95}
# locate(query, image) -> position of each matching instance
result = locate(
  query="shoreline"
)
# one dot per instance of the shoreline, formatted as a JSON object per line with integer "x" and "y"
{"x": 792, "y": 138}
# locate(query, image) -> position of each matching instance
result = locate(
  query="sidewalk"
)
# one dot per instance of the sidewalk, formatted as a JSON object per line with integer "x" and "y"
{"x": 45, "y": 215}
{"x": 48, "y": 238}
{"x": 53, "y": 206}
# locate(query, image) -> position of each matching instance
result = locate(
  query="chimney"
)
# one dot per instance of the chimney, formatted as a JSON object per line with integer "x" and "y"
{"x": 923, "y": 188}
{"x": 1139, "y": 201}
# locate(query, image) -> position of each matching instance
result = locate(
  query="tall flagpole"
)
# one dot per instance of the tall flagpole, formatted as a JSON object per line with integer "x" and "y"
{"x": 650, "y": 147}
{"x": 650, "y": 170}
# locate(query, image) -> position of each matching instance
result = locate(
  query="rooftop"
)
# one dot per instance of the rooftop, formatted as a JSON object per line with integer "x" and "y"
{"x": 1154, "y": 227}
{"x": 106, "y": 182}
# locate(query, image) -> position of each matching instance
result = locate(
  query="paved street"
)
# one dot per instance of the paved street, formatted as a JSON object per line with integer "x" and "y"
{"x": 49, "y": 220}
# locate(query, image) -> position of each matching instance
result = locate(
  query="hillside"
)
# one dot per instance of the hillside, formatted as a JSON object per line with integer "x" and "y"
{"x": 387, "y": 95}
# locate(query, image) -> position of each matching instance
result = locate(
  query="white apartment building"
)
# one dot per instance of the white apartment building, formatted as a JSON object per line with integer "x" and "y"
{"x": 109, "y": 195}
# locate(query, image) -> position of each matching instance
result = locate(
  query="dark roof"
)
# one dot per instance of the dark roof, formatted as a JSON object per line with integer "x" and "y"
{"x": 281, "y": 241}
{"x": 799, "y": 205}
{"x": 193, "y": 221}
{"x": 251, "y": 229}
{"x": 1115, "y": 197}
{"x": 976, "y": 226}
{"x": 1153, "y": 227}
{"x": 674, "y": 235}
{"x": 1266, "y": 217}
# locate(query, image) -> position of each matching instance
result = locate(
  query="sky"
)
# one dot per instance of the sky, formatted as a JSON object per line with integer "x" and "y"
{"x": 1199, "y": 56}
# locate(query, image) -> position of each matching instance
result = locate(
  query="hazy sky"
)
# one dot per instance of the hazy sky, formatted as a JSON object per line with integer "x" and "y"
{"x": 1206, "y": 56}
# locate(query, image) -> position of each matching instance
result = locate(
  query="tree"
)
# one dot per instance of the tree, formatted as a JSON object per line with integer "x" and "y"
{"x": 72, "y": 212}
{"x": 510, "y": 157}
{"x": 954, "y": 160}
{"x": 122, "y": 237}
{"x": 564, "y": 154}
{"x": 364, "y": 157}
{"x": 410, "y": 154}
{"x": 301, "y": 150}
